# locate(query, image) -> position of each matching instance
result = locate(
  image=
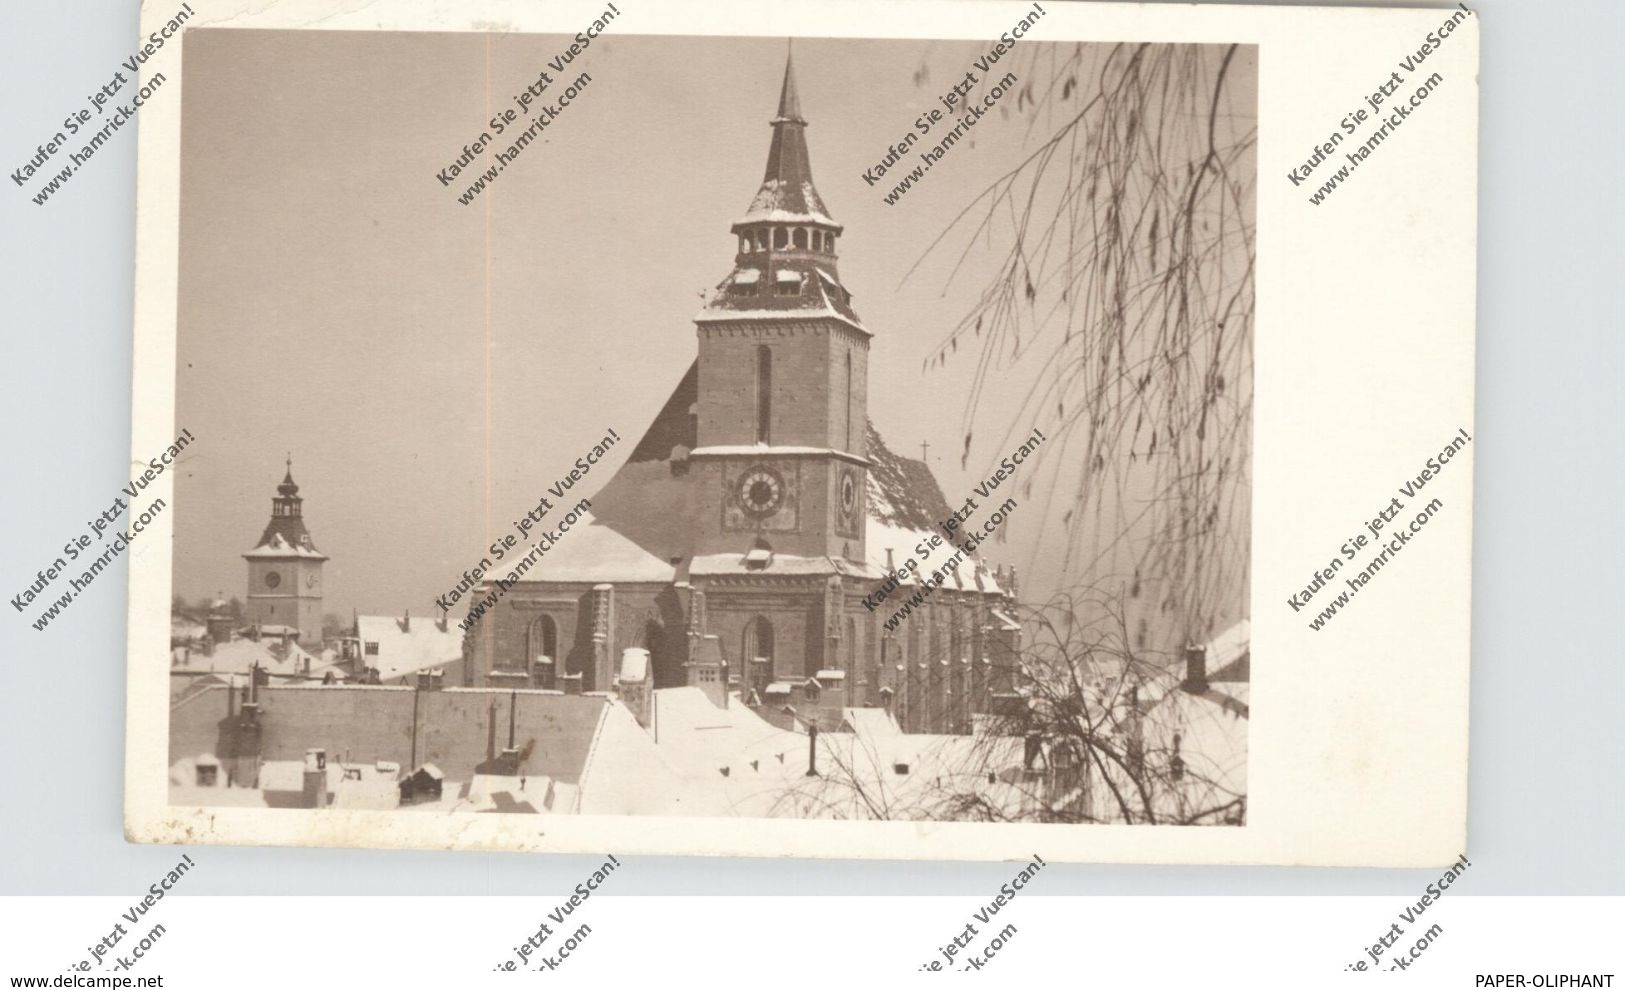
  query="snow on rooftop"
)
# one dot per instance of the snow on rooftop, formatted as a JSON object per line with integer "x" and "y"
{"x": 800, "y": 313}
{"x": 238, "y": 655}
{"x": 276, "y": 546}
{"x": 596, "y": 552}
{"x": 406, "y": 646}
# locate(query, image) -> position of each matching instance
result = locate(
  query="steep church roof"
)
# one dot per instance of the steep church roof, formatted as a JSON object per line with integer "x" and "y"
{"x": 632, "y": 537}
{"x": 643, "y": 519}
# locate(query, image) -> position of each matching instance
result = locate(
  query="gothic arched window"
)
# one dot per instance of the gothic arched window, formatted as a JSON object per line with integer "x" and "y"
{"x": 849, "y": 400}
{"x": 801, "y": 237}
{"x": 781, "y": 237}
{"x": 764, "y": 394}
{"x": 653, "y": 639}
{"x": 542, "y": 640}
{"x": 758, "y": 644}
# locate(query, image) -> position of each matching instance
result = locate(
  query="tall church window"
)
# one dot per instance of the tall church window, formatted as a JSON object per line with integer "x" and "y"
{"x": 543, "y": 639}
{"x": 764, "y": 394}
{"x": 542, "y": 651}
{"x": 848, "y": 400}
{"x": 758, "y": 645}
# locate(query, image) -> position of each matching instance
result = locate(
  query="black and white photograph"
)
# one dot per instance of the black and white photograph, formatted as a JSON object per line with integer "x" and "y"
{"x": 1033, "y": 487}
{"x": 714, "y": 426}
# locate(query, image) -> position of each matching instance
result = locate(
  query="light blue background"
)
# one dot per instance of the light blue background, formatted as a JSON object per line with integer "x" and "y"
{"x": 1548, "y": 667}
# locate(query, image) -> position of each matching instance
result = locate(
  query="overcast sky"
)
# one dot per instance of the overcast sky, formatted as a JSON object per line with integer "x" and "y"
{"x": 433, "y": 367}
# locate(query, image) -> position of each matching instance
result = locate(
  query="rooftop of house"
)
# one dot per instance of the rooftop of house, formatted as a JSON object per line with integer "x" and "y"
{"x": 238, "y": 655}
{"x": 407, "y": 645}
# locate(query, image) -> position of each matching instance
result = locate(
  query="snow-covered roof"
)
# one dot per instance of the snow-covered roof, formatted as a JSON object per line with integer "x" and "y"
{"x": 238, "y": 655}
{"x": 714, "y": 564}
{"x": 278, "y": 547}
{"x": 870, "y": 721}
{"x": 822, "y": 311}
{"x": 747, "y": 276}
{"x": 406, "y": 646}
{"x": 596, "y": 552}
{"x": 761, "y": 211}
{"x": 770, "y": 450}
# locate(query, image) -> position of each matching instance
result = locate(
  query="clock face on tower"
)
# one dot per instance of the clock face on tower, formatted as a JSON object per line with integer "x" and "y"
{"x": 761, "y": 496}
{"x": 312, "y": 579}
{"x": 761, "y": 491}
{"x": 846, "y": 501}
{"x": 272, "y": 579}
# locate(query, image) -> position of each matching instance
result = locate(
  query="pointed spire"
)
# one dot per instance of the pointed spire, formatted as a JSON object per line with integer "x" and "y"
{"x": 789, "y": 104}
{"x": 286, "y": 530}
{"x": 787, "y": 193}
{"x": 288, "y": 488}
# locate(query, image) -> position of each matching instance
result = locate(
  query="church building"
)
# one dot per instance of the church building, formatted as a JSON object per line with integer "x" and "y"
{"x": 285, "y": 571}
{"x": 737, "y": 543}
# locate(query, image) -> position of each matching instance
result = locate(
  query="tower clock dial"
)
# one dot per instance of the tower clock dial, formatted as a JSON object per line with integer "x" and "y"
{"x": 312, "y": 579}
{"x": 848, "y": 493}
{"x": 761, "y": 491}
{"x": 272, "y": 579}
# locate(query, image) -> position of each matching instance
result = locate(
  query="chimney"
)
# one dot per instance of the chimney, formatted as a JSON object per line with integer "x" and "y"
{"x": 315, "y": 782}
{"x": 1029, "y": 750}
{"x": 406, "y": 622}
{"x": 1195, "y": 669}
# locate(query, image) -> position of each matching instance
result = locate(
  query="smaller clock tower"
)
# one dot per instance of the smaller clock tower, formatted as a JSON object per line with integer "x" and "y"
{"x": 285, "y": 569}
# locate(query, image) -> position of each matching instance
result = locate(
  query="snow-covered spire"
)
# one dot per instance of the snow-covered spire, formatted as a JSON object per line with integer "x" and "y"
{"x": 787, "y": 194}
{"x": 786, "y": 261}
{"x": 286, "y": 532}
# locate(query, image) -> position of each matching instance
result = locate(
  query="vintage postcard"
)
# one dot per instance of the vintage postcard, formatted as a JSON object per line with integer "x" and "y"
{"x": 848, "y": 430}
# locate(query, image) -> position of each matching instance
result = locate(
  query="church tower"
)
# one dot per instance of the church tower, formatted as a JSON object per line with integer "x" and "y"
{"x": 285, "y": 570}
{"x": 783, "y": 375}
